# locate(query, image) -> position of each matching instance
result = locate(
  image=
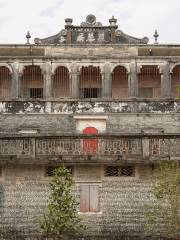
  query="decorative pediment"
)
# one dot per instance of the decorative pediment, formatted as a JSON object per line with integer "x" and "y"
{"x": 91, "y": 32}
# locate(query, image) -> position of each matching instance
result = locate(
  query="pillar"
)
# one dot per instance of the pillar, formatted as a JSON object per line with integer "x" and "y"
{"x": 165, "y": 80}
{"x": 133, "y": 80}
{"x": 75, "y": 76}
{"x": 106, "y": 82}
{"x": 47, "y": 76}
{"x": 15, "y": 80}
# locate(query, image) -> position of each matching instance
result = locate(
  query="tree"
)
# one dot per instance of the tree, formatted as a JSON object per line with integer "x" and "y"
{"x": 164, "y": 211}
{"x": 60, "y": 220}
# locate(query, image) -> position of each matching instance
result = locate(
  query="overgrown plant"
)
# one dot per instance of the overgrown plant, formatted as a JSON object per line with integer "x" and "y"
{"x": 61, "y": 220}
{"x": 164, "y": 212}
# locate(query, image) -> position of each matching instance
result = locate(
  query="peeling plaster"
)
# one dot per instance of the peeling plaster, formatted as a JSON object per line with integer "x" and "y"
{"x": 90, "y": 107}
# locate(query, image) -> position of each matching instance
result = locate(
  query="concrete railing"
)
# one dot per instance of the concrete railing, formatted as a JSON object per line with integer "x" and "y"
{"x": 126, "y": 147}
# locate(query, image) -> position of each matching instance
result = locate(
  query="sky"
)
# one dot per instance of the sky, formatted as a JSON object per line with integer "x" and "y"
{"x": 44, "y": 18}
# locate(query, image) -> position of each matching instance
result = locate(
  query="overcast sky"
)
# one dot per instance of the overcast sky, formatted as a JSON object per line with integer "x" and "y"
{"x": 43, "y": 18}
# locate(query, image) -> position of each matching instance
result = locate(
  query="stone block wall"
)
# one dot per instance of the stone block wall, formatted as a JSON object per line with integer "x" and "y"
{"x": 121, "y": 202}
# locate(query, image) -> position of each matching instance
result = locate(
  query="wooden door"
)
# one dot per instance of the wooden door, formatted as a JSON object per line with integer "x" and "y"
{"x": 90, "y": 146}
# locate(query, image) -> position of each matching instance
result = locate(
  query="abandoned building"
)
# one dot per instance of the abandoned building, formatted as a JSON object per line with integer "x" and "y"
{"x": 98, "y": 100}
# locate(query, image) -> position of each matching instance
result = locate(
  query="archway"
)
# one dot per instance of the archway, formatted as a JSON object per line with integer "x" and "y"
{"x": 119, "y": 82}
{"x": 90, "y": 82}
{"x": 90, "y": 146}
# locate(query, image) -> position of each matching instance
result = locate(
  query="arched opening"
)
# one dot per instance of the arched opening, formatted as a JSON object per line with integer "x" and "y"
{"x": 32, "y": 82}
{"x": 61, "y": 86}
{"x": 120, "y": 82}
{"x": 90, "y": 146}
{"x": 90, "y": 82}
{"x": 149, "y": 80}
{"x": 5, "y": 82}
{"x": 175, "y": 82}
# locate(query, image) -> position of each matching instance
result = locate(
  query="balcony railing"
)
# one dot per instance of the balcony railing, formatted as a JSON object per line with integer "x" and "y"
{"x": 97, "y": 147}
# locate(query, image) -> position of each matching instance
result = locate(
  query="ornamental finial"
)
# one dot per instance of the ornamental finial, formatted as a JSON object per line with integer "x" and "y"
{"x": 28, "y": 36}
{"x": 113, "y": 21}
{"x": 156, "y": 35}
{"x": 68, "y": 21}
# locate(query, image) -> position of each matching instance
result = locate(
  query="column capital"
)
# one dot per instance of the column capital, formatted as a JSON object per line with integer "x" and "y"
{"x": 164, "y": 68}
{"x": 46, "y": 67}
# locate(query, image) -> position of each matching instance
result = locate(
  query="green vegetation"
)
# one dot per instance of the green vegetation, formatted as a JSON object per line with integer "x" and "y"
{"x": 164, "y": 211}
{"x": 61, "y": 220}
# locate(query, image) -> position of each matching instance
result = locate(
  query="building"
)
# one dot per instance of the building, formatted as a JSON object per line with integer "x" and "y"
{"x": 98, "y": 100}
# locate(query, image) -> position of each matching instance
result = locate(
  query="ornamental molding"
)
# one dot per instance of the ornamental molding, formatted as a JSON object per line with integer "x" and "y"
{"x": 91, "y": 32}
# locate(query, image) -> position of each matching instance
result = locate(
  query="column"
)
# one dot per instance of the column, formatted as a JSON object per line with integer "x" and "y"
{"x": 15, "y": 80}
{"x": 75, "y": 75}
{"x": 107, "y": 82}
{"x": 47, "y": 76}
{"x": 165, "y": 80}
{"x": 133, "y": 80}
{"x": 145, "y": 147}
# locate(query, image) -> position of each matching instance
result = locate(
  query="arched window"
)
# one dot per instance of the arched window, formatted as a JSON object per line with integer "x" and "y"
{"x": 90, "y": 146}
{"x": 119, "y": 82}
{"x": 61, "y": 86}
{"x": 90, "y": 82}
{"x": 149, "y": 80}
{"x": 5, "y": 82}
{"x": 32, "y": 82}
{"x": 175, "y": 82}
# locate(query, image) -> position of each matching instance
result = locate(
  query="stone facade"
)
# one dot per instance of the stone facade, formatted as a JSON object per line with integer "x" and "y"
{"x": 112, "y": 134}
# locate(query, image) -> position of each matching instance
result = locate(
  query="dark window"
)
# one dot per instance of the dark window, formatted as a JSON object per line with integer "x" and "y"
{"x": 50, "y": 170}
{"x": 119, "y": 171}
{"x": 89, "y": 201}
{"x": 91, "y": 92}
{"x": 145, "y": 92}
{"x": 36, "y": 92}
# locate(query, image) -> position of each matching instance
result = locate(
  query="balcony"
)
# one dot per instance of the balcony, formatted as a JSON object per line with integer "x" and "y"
{"x": 89, "y": 149}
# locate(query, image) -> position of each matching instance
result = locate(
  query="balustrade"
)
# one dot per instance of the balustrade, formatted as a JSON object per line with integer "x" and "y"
{"x": 83, "y": 146}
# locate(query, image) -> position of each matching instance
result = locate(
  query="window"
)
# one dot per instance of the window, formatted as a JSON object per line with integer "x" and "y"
{"x": 36, "y": 92}
{"x": 5, "y": 82}
{"x": 61, "y": 83}
{"x": 91, "y": 93}
{"x": 90, "y": 82}
{"x": 119, "y": 171}
{"x": 119, "y": 82}
{"x": 145, "y": 92}
{"x": 49, "y": 170}
{"x": 175, "y": 82}
{"x": 149, "y": 81}
{"x": 89, "y": 201}
{"x": 32, "y": 82}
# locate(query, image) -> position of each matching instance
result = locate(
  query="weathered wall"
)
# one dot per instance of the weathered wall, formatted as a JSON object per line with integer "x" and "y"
{"x": 115, "y": 123}
{"x": 121, "y": 201}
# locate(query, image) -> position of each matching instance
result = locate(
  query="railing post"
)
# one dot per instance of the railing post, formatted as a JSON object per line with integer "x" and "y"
{"x": 145, "y": 147}
{"x": 33, "y": 142}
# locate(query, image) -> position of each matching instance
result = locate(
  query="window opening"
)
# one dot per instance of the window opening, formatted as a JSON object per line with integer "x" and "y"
{"x": 119, "y": 171}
